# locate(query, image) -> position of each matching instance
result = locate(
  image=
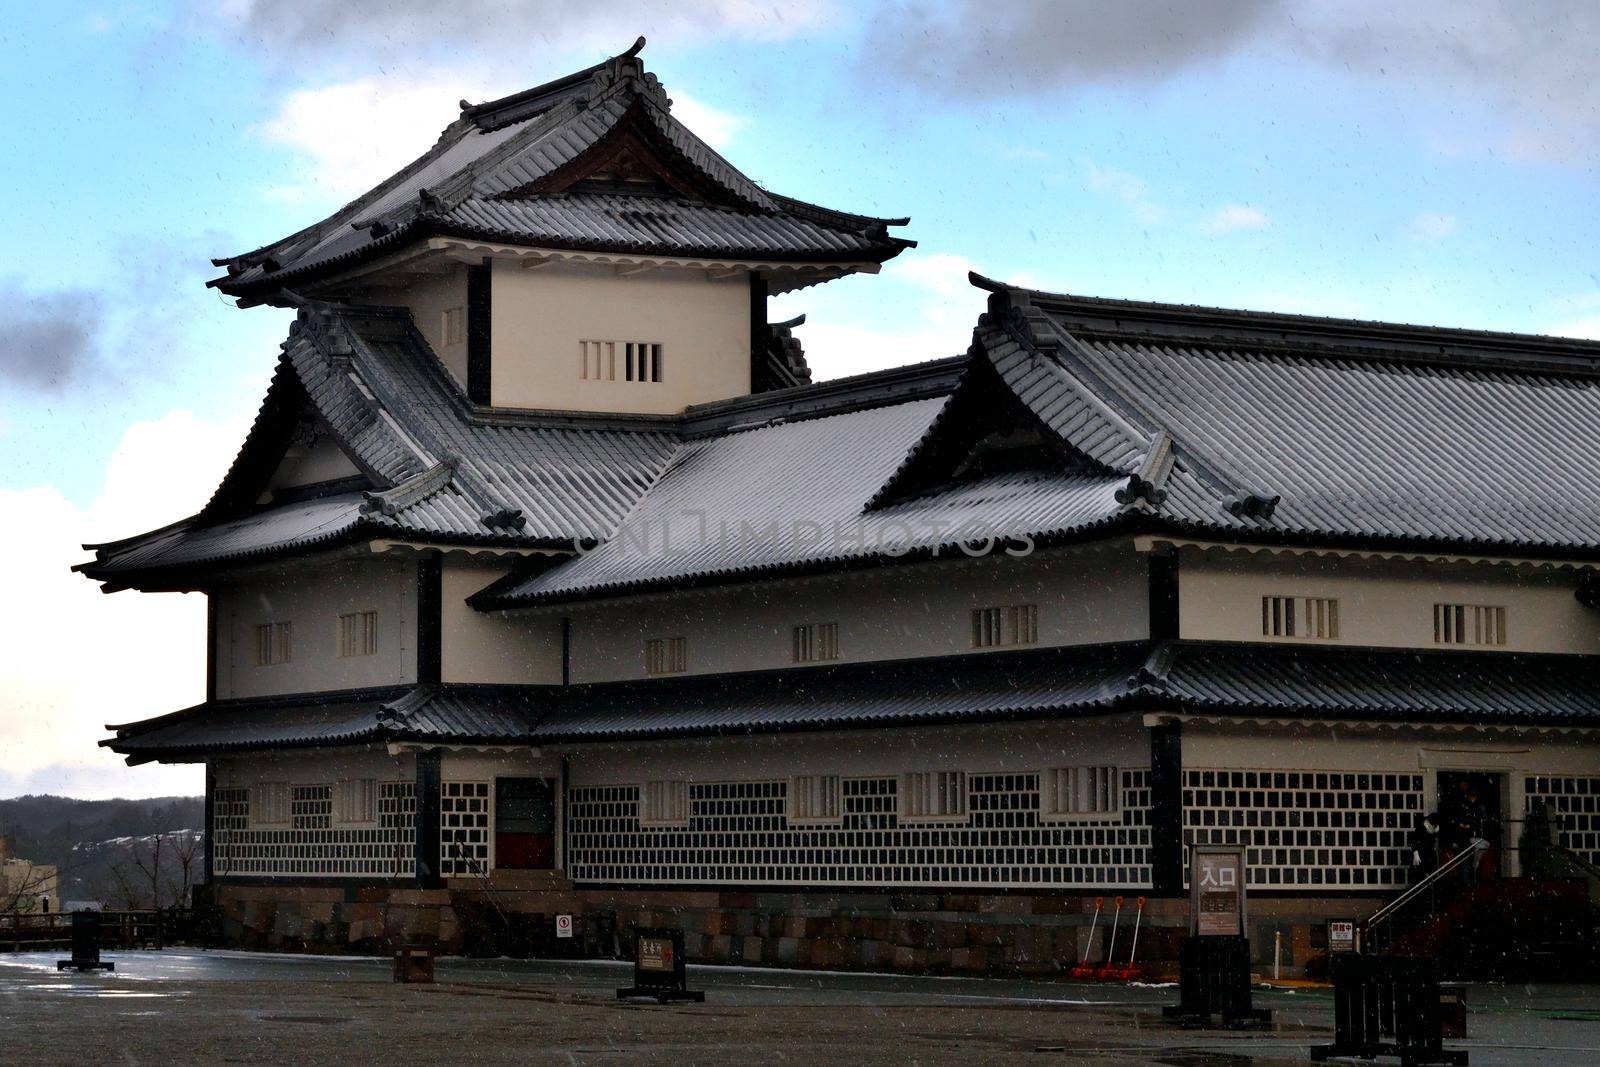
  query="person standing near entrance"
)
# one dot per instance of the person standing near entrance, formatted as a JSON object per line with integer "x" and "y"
{"x": 1424, "y": 847}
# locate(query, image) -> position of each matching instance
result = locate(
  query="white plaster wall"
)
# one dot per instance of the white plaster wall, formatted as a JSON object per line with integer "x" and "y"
{"x": 505, "y": 648}
{"x": 1347, "y": 747}
{"x": 1014, "y": 748}
{"x": 312, "y": 600}
{"x": 324, "y": 461}
{"x": 1085, "y": 597}
{"x": 427, "y": 298}
{"x": 1382, "y": 603}
{"x": 538, "y": 317}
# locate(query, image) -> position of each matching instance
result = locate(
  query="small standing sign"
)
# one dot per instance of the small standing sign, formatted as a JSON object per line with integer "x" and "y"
{"x": 1216, "y": 888}
{"x": 563, "y": 926}
{"x": 1341, "y": 937}
{"x": 658, "y": 969}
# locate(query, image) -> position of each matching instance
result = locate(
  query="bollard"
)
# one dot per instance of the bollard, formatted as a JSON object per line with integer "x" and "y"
{"x": 413, "y": 965}
{"x": 85, "y": 944}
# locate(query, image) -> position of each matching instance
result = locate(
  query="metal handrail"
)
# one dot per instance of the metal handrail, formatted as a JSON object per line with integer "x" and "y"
{"x": 1385, "y": 913}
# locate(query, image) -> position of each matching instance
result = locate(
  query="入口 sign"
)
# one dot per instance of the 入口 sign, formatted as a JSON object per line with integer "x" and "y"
{"x": 1216, "y": 891}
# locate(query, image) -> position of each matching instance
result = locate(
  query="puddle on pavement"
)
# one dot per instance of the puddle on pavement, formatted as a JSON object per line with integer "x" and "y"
{"x": 73, "y": 989}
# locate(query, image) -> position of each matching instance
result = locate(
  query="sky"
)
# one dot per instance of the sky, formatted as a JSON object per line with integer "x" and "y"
{"x": 1428, "y": 163}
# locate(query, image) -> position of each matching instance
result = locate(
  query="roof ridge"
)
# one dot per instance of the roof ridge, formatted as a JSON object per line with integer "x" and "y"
{"x": 1330, "y": 335}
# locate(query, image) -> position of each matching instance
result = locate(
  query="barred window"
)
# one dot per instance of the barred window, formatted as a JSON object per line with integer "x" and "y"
{"x": 1469, "y": 624}
{"x": 639, "y": 361}
{"x": 930, "y": 795}
{"x": 273, "y": 643}
{"x": 1011, "y": 624}
{"x": 356, "y": 801}
{"x": 1300, "y": 616}
{"x": 814, "y": 798}
{"x": 269, "y": 804}
{"x": 664, "y": 804}
{"x": 816, "y": 641}
{"x": 665, "y": 655}
{"x": 1081, "y": 791}
{"x": 358, "y": 634}
{"x": 455, "y": 326}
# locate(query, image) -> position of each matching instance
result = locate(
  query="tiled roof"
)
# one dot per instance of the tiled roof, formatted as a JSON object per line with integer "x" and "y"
{"x": 1287, "y": 425}
{"x": 1199, "y": 678}
{"x": 492, "y": 173}
{"x": 794, "y": 495}
{"x": 438, "y": 473}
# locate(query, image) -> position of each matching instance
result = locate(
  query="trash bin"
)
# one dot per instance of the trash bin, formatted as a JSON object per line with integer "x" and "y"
{"x": 1452, "y": 1010}
{"x": 414, "y": 964}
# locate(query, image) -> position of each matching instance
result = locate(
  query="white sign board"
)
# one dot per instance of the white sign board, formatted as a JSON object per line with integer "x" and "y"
{"x": 1341, "y": 937}
{"x": 563, "y": 926}
{"x": 1216, "y": 890}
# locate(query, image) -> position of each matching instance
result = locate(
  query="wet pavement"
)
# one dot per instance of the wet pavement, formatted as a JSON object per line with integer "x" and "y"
{"x": 181, "y": 1006}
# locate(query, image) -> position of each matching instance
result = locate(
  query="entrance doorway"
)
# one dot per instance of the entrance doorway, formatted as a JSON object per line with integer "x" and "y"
{"x": 1471, "y": 804}
{"x": 524, "y": 824}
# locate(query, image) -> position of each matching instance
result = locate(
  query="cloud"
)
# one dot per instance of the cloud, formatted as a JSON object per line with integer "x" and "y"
{"x": 77, "y": 659}
{"x": 923, "y": 308}
{"x": 955, "y": 47}
{"x": 49, "y": 338}
{"x": 716, "y": 128}
{"x": 414, "y": 34}
{"x": 1128, "y": 188}
{"x": 1531, "y": 64}
{"x": 352, "y": 135}
{"x": 1233, "y": 217}
{"x": 1431, "y": 227}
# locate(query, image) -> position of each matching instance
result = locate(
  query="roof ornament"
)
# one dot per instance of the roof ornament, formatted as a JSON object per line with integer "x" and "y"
{"x": 395, "y": 499}
{"x": 1255, "y": 505}
{"x": 508, "y": 519}
{"x": 429, "y": 204}
{"x": 1146, "y": 483}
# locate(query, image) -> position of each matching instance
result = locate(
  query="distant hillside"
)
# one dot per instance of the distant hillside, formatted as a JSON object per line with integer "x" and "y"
{"x": 107, "y": 849}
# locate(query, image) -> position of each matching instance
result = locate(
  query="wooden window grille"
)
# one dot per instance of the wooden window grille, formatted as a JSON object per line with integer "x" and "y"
{"x": 664, "y": 804}
{"x": 816, "y": 642}
{"x": 274, "y": 641}
{"x": 1012, "y": 624}
{"x": 358, "y": 634}
{"x": 1469, "y": 624}
{"x": 638, "y": 361}
{"x": 814, "y": 798}
{"x": 1300, "y": 616}
{"x": 933, "y": 795}
{"x": 1082, "y": 791}
{"x": 665, "y": 655}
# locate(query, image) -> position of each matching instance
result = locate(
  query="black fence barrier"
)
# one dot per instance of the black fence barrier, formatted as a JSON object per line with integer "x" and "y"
{"x": 1214, "y": 980}
{"x": 1387, "y": 1006}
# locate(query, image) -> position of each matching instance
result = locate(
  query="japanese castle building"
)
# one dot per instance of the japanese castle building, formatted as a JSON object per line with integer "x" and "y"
{"x": 547, "y": 581}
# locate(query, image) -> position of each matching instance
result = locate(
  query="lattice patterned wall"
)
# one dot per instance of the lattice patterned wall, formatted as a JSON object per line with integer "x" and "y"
{"x": 464, "y": 828}
{"x": 1306, "y": 829}
{"x": 312, "y": 847}
{"x": 1573, "y": 802}
{"x": 739, "y": 834}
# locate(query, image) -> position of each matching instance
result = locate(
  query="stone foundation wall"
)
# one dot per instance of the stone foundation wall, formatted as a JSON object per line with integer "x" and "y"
{"x": 1000, "y": 934}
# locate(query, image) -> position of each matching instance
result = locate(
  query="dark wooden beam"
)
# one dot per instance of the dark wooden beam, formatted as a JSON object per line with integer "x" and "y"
{"x": 1166, "y": 810}
{"x": 1164, "y": 596}
{"x": 479, "y": 285}
{"x": 430, "y": 619}
{"x": 208, "y": 853}
{"x": 429, "y": 767}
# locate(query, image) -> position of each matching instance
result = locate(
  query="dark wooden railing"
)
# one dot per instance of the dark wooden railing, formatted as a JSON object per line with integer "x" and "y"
{"x": 119, "y": 930}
